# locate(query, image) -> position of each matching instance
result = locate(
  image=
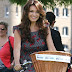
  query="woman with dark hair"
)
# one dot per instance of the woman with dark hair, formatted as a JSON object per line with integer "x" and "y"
{"x": 31, "y": 35}
{"x": 5, "y": 55}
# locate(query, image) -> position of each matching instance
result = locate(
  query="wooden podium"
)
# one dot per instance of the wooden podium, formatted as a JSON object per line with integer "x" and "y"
{"x": 49, "y": 61}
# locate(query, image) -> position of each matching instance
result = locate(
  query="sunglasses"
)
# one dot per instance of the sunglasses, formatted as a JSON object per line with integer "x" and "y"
{"x": 2, "y": 29}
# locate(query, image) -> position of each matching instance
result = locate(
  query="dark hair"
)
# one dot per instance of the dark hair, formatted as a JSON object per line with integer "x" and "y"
{"x": 25, "y": 22}
{"x": 5, "y": 24}
{"x": 50, "y": 17}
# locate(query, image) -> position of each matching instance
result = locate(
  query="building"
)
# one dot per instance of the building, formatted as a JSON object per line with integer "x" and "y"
{"x": 10, "y": 13}
{"x": 64, "y": 25}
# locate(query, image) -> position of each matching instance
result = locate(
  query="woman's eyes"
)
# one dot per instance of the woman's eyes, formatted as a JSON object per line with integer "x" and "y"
{"x": 30, "y": 11}
{"x": 33, "y": 11}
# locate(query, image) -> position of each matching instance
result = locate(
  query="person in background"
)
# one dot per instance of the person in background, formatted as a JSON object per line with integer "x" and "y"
{"x": 30, "y": 35}
{"x": 54, "y": 33}
{"x": 5, "y": 55}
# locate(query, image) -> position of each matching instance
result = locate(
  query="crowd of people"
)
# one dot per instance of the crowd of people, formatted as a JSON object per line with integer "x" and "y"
{"x": 34, "y": 33}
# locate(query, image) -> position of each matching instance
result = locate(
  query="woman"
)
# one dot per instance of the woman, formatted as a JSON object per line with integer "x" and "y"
{"x": 31, "y": 35}
{"x": 5, "y": 55}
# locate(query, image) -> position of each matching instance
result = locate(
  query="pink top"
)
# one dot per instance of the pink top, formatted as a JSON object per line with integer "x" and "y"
{"x": 5, "y": 54}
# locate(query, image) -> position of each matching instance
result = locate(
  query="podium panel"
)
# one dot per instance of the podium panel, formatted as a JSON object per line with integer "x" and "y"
{"x": 50, "y": 61}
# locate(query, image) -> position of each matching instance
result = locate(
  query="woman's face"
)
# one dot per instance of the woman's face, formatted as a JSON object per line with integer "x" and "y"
{"x": 33, "y": 14}
{"x": 3, "y": 30}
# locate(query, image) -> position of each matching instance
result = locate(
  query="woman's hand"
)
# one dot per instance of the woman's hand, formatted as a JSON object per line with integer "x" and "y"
{"x": 17, "y": 67}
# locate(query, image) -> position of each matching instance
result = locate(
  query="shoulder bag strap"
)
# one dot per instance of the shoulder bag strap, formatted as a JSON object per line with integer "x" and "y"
{"x": 11, "y": 50}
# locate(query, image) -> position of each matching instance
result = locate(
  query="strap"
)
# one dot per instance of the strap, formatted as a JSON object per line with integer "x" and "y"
{"x": 11, "y": 50}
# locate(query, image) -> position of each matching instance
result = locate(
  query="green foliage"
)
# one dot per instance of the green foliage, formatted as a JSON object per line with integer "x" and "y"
{"x": 48, "y": 3}
{"x": 19, "y": 2}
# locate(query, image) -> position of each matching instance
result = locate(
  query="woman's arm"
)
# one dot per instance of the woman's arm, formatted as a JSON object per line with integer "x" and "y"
{"x": 17, "y": 47}
{"x": 49, "y": 41}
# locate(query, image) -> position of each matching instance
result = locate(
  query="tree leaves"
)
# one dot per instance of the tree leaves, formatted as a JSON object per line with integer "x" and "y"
{"x": 48, "y": 3}
{"x": 19, "y": 2}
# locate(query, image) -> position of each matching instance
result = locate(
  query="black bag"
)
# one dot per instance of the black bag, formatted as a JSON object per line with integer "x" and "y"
{"x": 11, "y": 50}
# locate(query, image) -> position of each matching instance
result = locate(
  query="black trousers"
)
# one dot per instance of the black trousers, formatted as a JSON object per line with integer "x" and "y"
{"x": 6, "y": 70}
